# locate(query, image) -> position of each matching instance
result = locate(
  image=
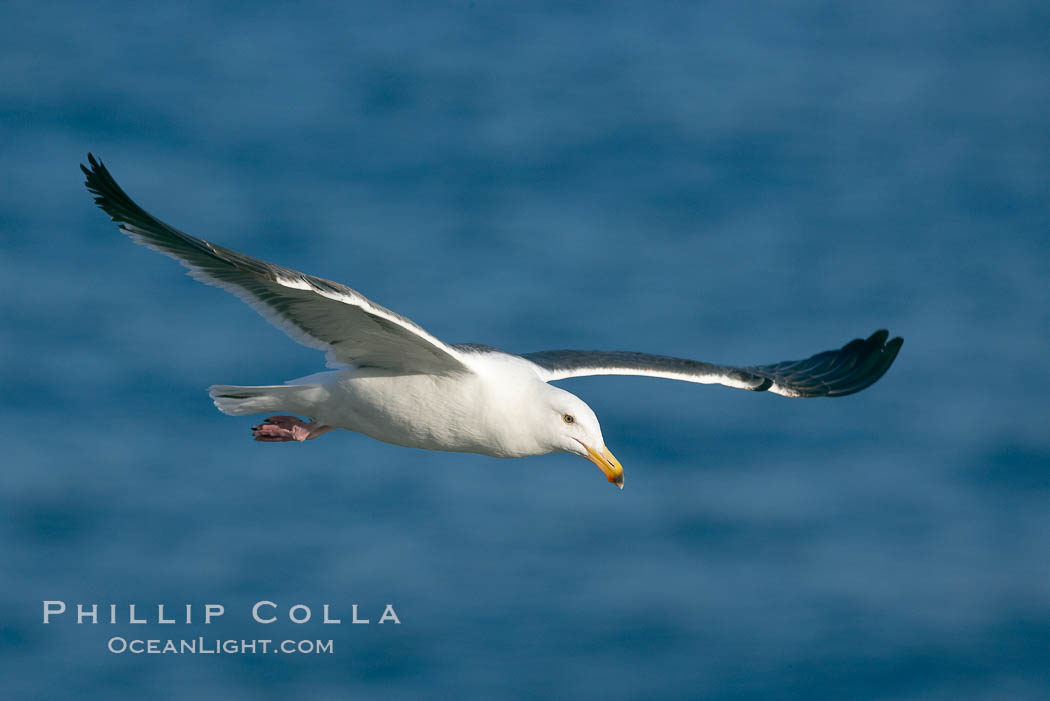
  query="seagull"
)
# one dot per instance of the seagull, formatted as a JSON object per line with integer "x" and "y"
{"x": 390, "y": 379}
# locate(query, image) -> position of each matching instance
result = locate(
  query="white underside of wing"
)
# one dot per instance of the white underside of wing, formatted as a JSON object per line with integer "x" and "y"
{"x": 294, "y": 284}
{"x": 704, "y": 379}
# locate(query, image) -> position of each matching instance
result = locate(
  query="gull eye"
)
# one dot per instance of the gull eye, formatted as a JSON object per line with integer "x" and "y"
{"x": 569, "y": 419}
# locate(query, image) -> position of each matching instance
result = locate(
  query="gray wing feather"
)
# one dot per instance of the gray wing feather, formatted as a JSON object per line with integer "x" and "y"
{"x": 316, "y": 312}
{"x": 836, "y": 373}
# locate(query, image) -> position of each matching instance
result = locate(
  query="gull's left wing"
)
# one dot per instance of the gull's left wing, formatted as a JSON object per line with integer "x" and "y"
{"x": 316, "y": 312}
{"x": 836, "y": 373}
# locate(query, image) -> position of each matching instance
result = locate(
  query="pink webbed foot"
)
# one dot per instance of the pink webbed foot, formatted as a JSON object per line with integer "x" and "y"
{"x": 280, "y": 429}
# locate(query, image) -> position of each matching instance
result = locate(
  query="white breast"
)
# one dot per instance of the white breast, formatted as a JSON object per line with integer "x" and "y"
{"x": 483, "y": 412}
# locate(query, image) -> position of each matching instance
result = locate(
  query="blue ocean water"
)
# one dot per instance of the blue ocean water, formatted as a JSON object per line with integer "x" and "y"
{"x": 739, "y": 184}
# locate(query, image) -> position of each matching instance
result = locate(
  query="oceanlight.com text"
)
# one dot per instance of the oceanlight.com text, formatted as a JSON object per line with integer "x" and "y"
{"x": 214, "y": 646}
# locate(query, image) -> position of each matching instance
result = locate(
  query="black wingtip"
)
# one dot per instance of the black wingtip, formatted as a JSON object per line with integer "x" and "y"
{"x": 95, "y": 166}
{"x": 882, "y": 334}
{"x": 850, "y": 369}
{"x": 875, "y": 360}
{"x": 891, "y": 350}
{"x": 97, "y": 179}
{"x": 110, "y": 197}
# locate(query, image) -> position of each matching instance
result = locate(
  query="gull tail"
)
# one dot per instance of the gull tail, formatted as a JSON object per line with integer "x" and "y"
{"x": 293, "y": 399}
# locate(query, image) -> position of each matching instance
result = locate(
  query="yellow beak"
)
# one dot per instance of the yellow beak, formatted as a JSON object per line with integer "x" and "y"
{"x": 608, "y": 464}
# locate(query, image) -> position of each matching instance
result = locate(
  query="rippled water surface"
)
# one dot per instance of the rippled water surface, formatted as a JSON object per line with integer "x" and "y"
{"x": 729, "y": 183}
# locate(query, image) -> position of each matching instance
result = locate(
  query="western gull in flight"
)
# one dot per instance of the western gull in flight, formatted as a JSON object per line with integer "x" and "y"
{"x": 392, "y": 380}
